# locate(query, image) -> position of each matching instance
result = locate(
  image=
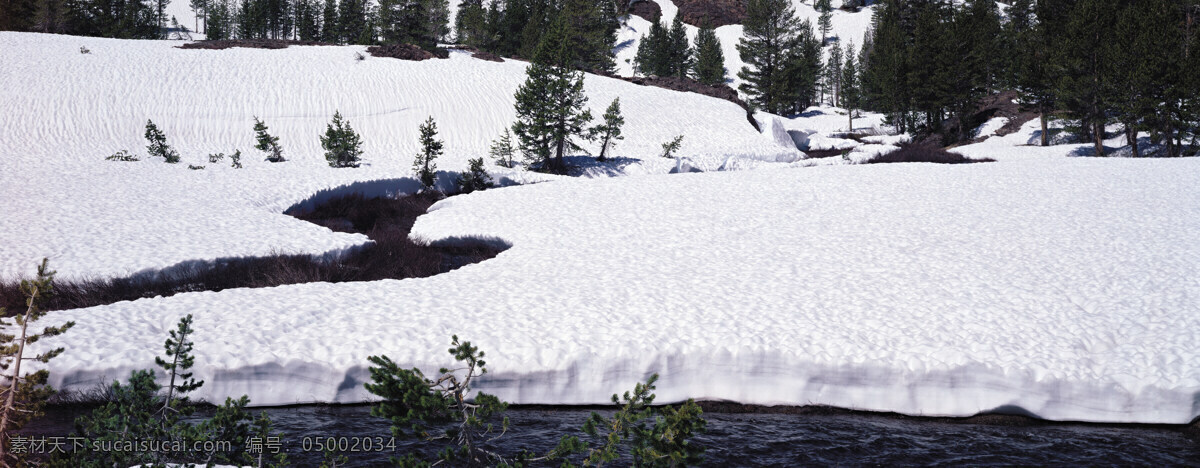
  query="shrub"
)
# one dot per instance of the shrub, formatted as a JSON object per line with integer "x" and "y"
{"x": 216, "y": 158}
{"x": 236, "y": 159}
{"x": 24, "y": 394}
{"x": 476, "y": 178}
{"x": 158, "y": 146}
{"x": 84, "y": 50}
{"x": 343, "y": 147}
{"x": 267, "y": 143}
{"x": 122, "y": 156}
{"x": 195, "y": 167}
{"x": 669, "y": 149}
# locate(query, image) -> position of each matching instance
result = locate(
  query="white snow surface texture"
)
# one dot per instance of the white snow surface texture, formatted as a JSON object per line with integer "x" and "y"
{"x": 1066, "y": 288}
{"x": 63, "y": 112}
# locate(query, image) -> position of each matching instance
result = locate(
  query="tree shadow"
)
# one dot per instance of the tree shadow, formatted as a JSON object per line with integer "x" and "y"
{"x": 578, "y": 166}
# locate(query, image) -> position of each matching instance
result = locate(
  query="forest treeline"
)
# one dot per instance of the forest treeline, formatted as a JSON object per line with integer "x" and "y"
{"x": 925, "y": 64}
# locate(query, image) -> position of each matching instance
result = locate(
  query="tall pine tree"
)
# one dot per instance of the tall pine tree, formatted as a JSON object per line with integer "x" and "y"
{"x": 551, "y": 105}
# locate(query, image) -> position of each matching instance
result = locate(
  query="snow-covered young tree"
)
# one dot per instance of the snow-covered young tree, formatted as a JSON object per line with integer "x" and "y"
{"x": 425, "y": 165}
{"x": 267, "y": 143}
{"x": 609, "y": 129}
{"x": 343, "y": 148}
{"x": 158, "y": 146}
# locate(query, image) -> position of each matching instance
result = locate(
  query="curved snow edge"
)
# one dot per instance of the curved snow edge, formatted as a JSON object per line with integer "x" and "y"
{"x": 751, "y": 377}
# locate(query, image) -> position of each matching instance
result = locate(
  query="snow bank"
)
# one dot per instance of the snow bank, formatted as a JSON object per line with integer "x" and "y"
{"x": 1064, "y": 287}
{"x": 64, "y": 112}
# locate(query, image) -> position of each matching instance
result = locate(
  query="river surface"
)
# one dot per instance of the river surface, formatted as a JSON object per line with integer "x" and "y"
{"x": 756, "y": 439}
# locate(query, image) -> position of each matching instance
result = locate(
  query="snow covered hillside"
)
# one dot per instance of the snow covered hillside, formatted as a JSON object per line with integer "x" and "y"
{"x": 1064, "y": 287}
{"x": 64, "y": 112}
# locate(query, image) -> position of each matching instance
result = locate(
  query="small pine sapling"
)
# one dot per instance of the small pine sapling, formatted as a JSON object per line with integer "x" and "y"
{"x": 420, "y": 408}
{"x": 609, "y": 130}
{"x": 267, "y": 143}
{"x": 425, "y": 165}
{"x": 216, "y": 158}
{"x": 179, "y": 351}
{"x": 669, "y": 149}
{"x": 195, "y": 167}
{"x": 158, "y": 146}
{"x": 122, "y": 156}
{"x": 665, "y": 443}
{"x": 502, "y": 150}
{"x": 236, "y": 159}
{"x": 476, "y": 178}
{"x": 343, "y": 147}
{"x": 24, "y": 395}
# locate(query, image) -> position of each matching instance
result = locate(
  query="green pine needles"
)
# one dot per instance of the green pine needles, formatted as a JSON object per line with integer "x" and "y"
{"x": 24, "y": 395}
{"x": 669, "y": 148}
{"x": 267, "y": 143}
{"x": 179, "y": 350}
{"x": 710, "y": 60}
{"x": 425, "y": 164}
{"x": 502, "y": 150}
{"x": 343, "y": 147}
{"x": 476, "y": 177}
{"x": 441, "y": 409}
{"x": 551, "y": 105}
{"x": 158, "y": 146}
{"x": 609, "y": 129}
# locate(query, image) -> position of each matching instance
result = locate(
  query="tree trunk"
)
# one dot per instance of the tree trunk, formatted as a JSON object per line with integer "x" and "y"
{"x": 603, "y": 150}
{"x": 1098, "y": 135}
{"x": 850, "y": 129}
{"x": 11, "y": 402}
{"x": 1131, "y": 137}
{"x": 1045, "y": 129}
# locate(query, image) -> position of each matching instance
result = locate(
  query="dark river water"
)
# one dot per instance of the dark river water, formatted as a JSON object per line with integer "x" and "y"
{"x": 755, "y": 439}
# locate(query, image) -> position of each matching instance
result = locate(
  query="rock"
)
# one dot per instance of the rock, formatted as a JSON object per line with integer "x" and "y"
{"x": 647, "y": 9}
{"x": 712, "y": 13}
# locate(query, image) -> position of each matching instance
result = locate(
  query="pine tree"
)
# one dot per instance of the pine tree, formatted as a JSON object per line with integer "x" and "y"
{"x": 770, "y": 31}
{"x": 649, "y": 59}
{"x": 802, "y": 70}
{"x": 710, "y": 61}
{"x": 476, "y": 177}
{"x": 179, "y": 350}
{"x": 551, "y": 105}
{"x": 425, "y": 165}
{"x": 592, "y": 26}
{"x": 672, "y": 146}
{"x": 1082, "y": 88}
{"x": 885, "y": 84}
{"x": 267, "y": 142}
{"x": 343, "y": 147}
{"x": 833, "y": 74}
{"x": 851, "y": 95}
{"x": 609, "y": 130}
{"x": 470, "y": 23}
{"x": 352, "y": 20}
{"x": 329, "y": 22}
{"x": 158, "y": 146}
{"x": 678, "y": 52}
{"x": 1015, "y": 38}
{"x": 502, "y": 150}
{"x": 825, "y": 20}
{"x": 24, "y": 394}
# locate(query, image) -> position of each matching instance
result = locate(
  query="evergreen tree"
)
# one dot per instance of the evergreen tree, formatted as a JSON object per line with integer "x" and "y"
{"x": 710, "y": 60}
{"x": 551, "y": 105}
{"x": 425, "y": 165}
{"x": 502, "y": 150}
{"x": 199, "y": 9}
{"x": 1016, "y": 38}
{"x": 179, "y": 350}
{"x": 649, "y": 59}
{"x": 352, "y": 20}
{"x": 825, "y": 20}
{"x": 592, "y": 27}
{"x": 24, "y": 395}
{"x": 885, "y": 84}
{"x": 850, "y": 93}
{"x": 329, "y": 22}
{"x": 672, "y": 146}
{"x": 1037, "y": 69}
{"x": 308, "y": 20}
{"x": 476, "y": 177}
{"x": 770, "y": 31}
{"x": 609, "y": 130}
{"x": 802, "y": 70}
{"x": 833, "y": 74}
{"x": 158, "y": 146}
{"x": 679, "y": 52}
{"x": 267, "y": 142}
{"x": 470, "y": 23}
{"x": 1082, "y": 87}
{"x": 343, "y": 147}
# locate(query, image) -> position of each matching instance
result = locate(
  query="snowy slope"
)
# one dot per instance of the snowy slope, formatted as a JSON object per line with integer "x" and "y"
{"x": 64, "y": 112}
{"x": 1065, "y": 287}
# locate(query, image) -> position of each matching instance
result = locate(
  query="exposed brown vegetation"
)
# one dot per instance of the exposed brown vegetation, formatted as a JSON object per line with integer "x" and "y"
{"x": 406, "y": 52}
{"x": 248, "y": 43}
{"x": 913, "y": 152}
{"x": 386, "y": 221}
